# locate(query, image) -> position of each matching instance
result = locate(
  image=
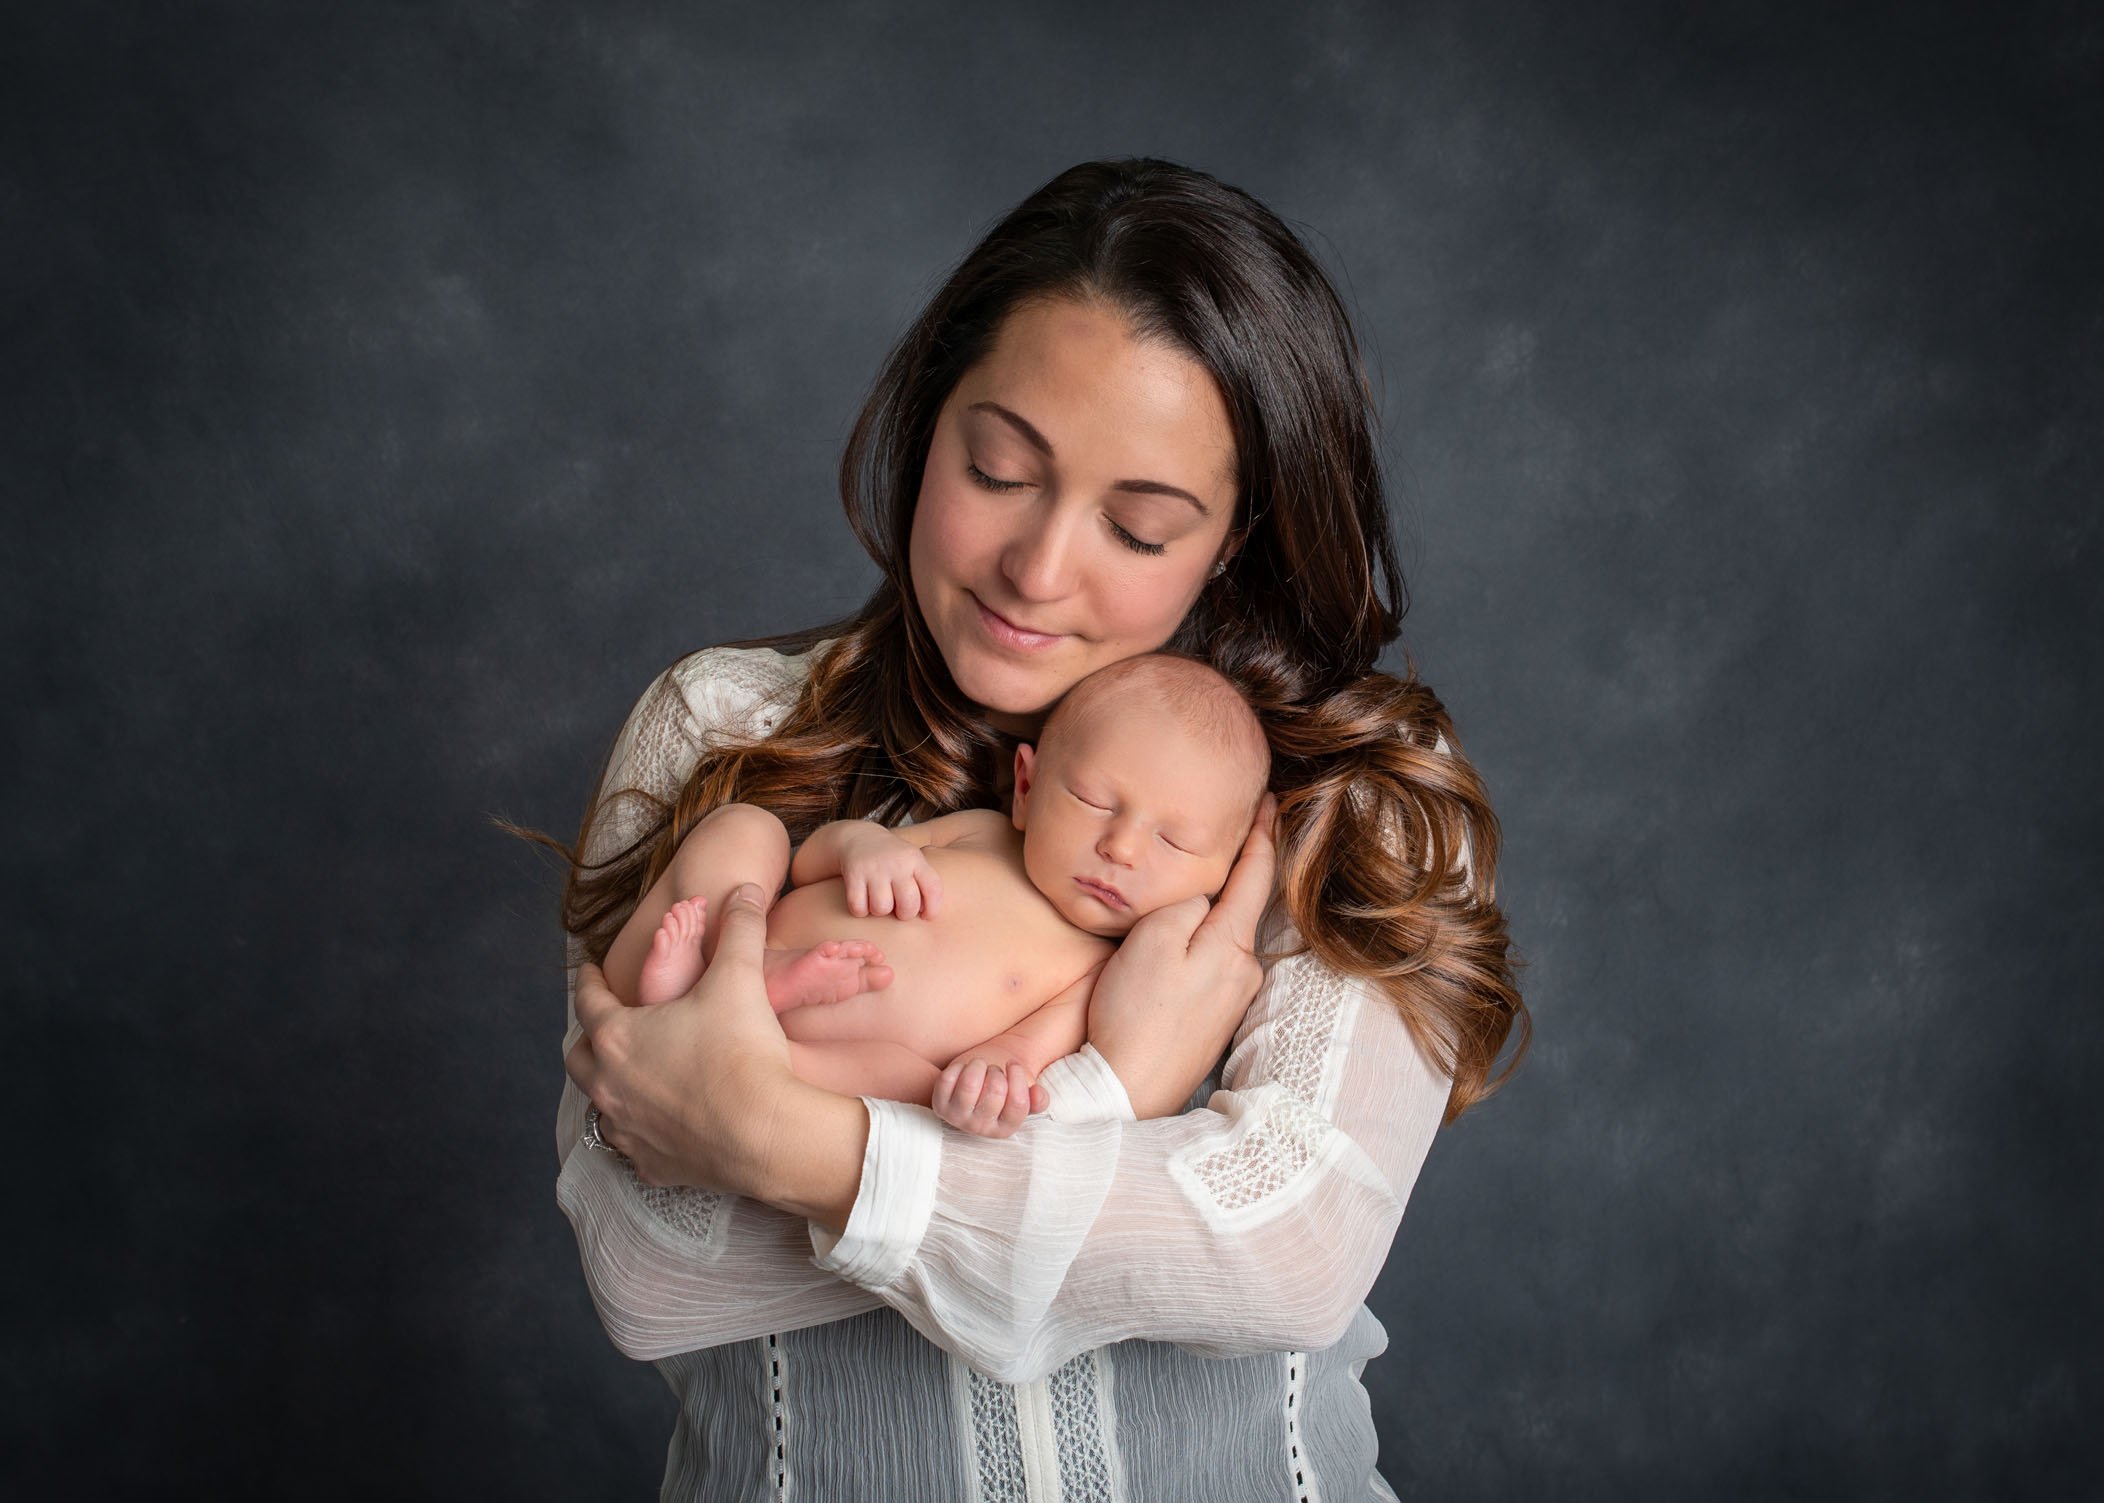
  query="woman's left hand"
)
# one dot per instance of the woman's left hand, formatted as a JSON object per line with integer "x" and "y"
{"x": 698, "y": 1091}
{"x": 1171, "y": 997}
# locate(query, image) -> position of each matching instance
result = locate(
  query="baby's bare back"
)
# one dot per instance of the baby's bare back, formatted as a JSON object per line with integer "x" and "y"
{"x": 995, "y": 954}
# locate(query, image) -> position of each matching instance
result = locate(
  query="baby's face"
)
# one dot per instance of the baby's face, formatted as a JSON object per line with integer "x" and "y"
{"x": 1129, "y": 812}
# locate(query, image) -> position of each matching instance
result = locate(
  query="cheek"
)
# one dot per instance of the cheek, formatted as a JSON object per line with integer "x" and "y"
{"x": 1041, "y": 858}
{"x": 934, "y": 546}
{"x": 1055, "y": 840}
{"x": 1148, "y": 610}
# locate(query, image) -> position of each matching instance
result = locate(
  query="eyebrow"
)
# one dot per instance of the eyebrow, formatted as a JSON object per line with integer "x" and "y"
{"x": 1043, "y": 446}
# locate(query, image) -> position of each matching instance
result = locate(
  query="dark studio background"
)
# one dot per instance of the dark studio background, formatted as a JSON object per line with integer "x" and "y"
{"x": 391, "y": 390}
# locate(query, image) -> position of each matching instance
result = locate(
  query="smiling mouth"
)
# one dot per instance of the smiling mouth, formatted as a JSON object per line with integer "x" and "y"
{"x": 1102, "y": 892}
{"x": 1003, "y": 630}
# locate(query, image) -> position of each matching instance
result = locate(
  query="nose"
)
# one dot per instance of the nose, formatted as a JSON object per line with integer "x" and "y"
{"x": 1117, "y": 843}
{"x": 1040, "y": 557}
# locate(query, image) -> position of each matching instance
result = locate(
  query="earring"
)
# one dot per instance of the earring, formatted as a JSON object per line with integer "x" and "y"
{"x": 1219, "y": 569}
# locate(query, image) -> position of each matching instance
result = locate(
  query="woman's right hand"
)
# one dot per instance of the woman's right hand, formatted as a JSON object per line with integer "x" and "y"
{"x": 1170, "y": 999}
{"x": 698, "y": 1090}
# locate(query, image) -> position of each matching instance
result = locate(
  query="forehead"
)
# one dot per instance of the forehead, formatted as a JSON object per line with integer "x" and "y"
{"x": 1149, "y": 750}
{"x": 1104, "y": 397}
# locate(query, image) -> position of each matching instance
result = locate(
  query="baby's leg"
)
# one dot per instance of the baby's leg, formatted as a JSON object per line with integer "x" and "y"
{"x": 831, "y": 972}
{"x": 661, "y": 951}
{"x": 673, "y": 963}
{"x": 732, "y": 844}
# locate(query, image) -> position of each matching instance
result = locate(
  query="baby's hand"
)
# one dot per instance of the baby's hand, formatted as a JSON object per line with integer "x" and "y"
{"x": 884, "y": 874}
{"x": 980, "y": 1094}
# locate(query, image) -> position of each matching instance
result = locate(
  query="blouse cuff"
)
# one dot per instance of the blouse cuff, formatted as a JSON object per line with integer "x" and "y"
{"x": 895, "y": 1202}
{"x": 1084, "y": 1088}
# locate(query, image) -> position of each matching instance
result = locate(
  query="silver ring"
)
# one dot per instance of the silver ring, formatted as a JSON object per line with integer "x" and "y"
{"x": 591, "y": 1131}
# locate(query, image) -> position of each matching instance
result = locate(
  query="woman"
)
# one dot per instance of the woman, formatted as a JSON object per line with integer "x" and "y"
{"x": 1135, "y": 414}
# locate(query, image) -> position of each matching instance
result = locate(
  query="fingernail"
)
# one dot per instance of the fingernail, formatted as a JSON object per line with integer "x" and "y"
{"x": 746, "y": 892}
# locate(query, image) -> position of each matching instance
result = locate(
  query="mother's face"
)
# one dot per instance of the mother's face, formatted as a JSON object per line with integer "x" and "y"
{"x": 1079, "y": 489}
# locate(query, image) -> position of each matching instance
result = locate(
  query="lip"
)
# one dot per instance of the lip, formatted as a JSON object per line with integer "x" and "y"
{"x": 1008, "y": 634}
{"x": 1102, "y": 892}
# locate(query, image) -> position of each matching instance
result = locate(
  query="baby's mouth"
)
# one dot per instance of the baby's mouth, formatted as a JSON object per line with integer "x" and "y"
{"x": 1102, "y": 892}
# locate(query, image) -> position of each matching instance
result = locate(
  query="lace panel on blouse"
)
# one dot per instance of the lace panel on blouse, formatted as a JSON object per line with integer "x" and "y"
{"x": 688, "y": 1211}
{"x": 1077, "y": 1418}
{"x": 1283, "y": 1130}
{"x": 997, "y": 1440}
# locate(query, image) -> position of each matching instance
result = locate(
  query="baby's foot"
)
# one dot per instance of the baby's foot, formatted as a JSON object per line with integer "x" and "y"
{"x": 674, "y": 962}
{"x": 831, "y": 972}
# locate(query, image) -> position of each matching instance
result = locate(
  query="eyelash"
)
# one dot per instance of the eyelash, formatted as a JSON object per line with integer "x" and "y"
{"x": 1152, "y": 550}
{"x": 988, "y": 481}
{"x": 1100, "y": 809}
{"x": 1001, "y": 487}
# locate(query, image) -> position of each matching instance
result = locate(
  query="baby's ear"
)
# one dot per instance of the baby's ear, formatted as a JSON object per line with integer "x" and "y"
{"x": 1025, "y": 774}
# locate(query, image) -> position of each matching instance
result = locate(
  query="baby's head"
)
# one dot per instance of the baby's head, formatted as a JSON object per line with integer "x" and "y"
{"x": 1140, "y": 790}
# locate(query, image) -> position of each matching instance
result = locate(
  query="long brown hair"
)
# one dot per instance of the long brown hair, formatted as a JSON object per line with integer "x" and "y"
{"x": 1389, "y": 851}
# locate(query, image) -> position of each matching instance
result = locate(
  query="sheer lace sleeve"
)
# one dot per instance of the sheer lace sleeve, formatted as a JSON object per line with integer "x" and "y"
{"x": 1256, "y": 1223}
{"x": 673, "y": 1268}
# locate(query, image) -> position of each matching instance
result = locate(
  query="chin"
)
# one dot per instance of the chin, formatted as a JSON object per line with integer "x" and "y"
{"x": 1002, "y": 690}
{"x": 1104, "y": 926}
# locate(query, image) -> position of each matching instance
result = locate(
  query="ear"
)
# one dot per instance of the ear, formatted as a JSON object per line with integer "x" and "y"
{"x": 1025, "y": 775}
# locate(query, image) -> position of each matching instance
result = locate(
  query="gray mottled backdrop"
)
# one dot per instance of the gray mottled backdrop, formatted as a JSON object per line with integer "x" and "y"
{"x": 390, "y": 390}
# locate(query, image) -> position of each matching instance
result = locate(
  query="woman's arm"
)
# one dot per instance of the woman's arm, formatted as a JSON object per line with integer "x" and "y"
{"x": 1257, "y": 1223}
{"x": 728, "y": 1268}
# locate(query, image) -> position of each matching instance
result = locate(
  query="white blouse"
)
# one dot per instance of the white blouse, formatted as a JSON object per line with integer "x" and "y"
{"x": 1094, "y": 1308}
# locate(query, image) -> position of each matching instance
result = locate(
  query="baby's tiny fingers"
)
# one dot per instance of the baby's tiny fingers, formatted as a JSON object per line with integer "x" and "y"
{"x": 905, "y": 898}
{"x": 1017, "y": 1107}
{"x": 993, "y": 1095}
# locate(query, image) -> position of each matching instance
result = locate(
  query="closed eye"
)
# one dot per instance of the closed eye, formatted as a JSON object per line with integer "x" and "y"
{"x": 1138, "y": 545}
{"x": 988, "y": 482}
{"x": 1089, "y": 803}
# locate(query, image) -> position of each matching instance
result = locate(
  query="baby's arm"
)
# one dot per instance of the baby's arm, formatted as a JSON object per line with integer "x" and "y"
{"x": 882, "y": 869}
{"x": 989, "y": 1088}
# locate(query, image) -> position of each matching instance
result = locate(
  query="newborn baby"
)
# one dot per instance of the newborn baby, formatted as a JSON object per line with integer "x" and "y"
{"x": 925, "y": 961}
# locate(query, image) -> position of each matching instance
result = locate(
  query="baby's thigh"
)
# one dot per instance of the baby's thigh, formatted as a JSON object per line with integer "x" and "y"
{"x": 931, "y": 1009}
{"x": 875, "y": 1015}
{"x": 732, "y": 844}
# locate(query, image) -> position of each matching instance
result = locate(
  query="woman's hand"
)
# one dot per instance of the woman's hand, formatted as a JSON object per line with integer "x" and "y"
{"x": 1170, "y": 999}
{"x": 697, "y": 1091}
{"x": 884, "y": 874}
